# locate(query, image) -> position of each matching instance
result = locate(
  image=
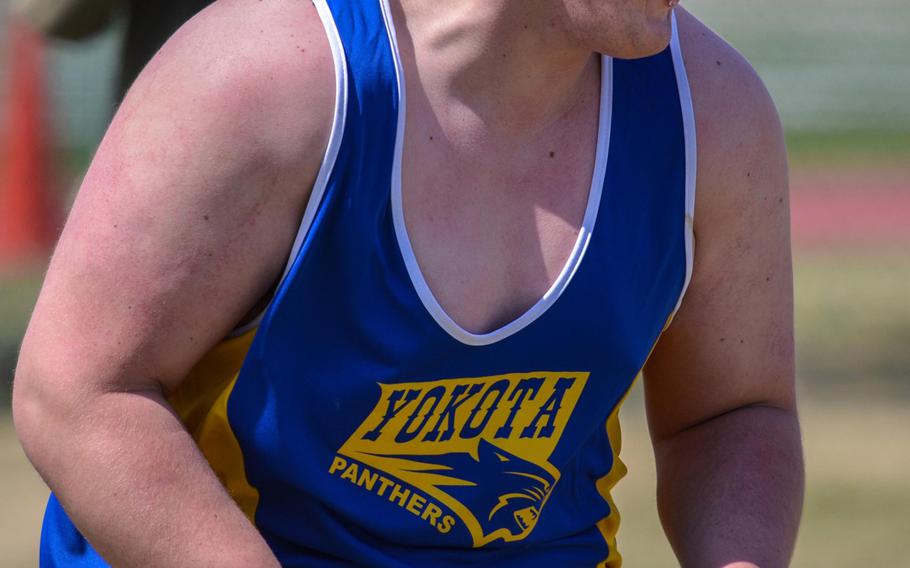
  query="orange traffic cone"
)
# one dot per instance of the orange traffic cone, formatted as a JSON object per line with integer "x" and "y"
{"x": 27, "y": 207}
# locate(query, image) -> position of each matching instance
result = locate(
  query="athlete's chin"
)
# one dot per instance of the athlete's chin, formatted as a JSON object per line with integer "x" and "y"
{"x": 650, "y": 38}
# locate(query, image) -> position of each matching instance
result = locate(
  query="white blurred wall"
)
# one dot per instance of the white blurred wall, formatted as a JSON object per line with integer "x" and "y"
{"x": 830, "y": 64}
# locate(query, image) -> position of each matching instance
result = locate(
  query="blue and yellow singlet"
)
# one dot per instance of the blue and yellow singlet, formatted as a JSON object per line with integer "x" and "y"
{"x": 356, "y": 424}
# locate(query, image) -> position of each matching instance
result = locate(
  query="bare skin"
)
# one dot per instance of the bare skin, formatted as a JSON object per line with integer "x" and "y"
{"x": 235, "y": 111}
{"x": 739, "y": 503}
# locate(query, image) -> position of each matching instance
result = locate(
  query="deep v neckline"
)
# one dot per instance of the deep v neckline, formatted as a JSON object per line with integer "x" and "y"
{"x": 427, "y": 298}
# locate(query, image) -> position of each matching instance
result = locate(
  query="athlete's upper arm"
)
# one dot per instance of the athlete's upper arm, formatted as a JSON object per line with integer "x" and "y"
{"x": 731, "y": 343}
{"x": 188, "y": 211}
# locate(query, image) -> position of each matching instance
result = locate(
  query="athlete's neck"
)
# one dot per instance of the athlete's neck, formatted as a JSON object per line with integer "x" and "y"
{"x": 509, "y": 63}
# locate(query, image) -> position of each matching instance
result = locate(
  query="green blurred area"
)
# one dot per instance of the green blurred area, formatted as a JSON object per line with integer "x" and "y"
{"x": 17, "y": 296}
{"x": 848, "y": 147}
{"x": 853, "y": 324}
{"x": 840, "y": 74}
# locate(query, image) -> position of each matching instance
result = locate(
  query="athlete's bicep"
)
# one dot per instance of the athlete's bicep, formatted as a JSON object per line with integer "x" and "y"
{"x": 731, "y": 344}
{"x": 188, "y": 211}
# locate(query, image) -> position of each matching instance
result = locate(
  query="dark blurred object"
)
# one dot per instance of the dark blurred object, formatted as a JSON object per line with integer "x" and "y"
{"x": 67, "y": 19}
{"x": 27, "y": 205}
{"x": 150, "y": 24}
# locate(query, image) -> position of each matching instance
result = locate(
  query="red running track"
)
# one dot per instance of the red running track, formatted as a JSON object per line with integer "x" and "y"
{"x": 857, "y": 208}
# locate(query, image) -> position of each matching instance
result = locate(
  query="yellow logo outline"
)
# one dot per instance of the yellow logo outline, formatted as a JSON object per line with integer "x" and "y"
{"x": 488, "y": 438}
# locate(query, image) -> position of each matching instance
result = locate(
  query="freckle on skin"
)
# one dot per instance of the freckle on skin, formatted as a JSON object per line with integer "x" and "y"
{"x": 552, "y": 154}
{"x": 205, "y": 217}
{"x": 718, "y": 63}
{"x": 722, "y": 339}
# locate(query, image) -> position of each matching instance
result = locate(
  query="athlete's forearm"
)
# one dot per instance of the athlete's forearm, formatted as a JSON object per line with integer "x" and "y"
{"x": 133, "y": 481}
{"x": 730, "y": 489}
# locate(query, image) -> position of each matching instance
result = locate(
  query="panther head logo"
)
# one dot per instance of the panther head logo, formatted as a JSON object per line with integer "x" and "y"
{"x": 504, "y": 492}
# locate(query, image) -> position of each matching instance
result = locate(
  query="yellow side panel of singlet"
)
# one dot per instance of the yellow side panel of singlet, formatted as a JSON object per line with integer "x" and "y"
{"x": 609, "y": 525}
{"x": 201, "y": 403}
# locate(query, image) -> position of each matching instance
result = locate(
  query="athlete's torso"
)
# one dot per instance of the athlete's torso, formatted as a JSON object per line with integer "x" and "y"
{"x": 360, "y": 425}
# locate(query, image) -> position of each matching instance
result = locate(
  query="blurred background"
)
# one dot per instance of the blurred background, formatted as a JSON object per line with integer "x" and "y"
{"x": 839, "y": 71}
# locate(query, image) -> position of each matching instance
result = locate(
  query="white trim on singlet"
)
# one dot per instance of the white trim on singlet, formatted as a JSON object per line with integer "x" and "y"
{"x": 688, "y": 116}
{"x": 581, "y": 244}
{"x": 331, "y": 151}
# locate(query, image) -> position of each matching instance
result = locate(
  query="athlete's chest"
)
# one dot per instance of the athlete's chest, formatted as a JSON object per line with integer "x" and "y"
{"x": 492, "y": 221}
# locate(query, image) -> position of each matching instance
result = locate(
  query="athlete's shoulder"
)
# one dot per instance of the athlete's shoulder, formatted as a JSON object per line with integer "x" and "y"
{"x": 263, "y": 68}
{"x": 740, "y": 138}
{"x": 725, "y": 86}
